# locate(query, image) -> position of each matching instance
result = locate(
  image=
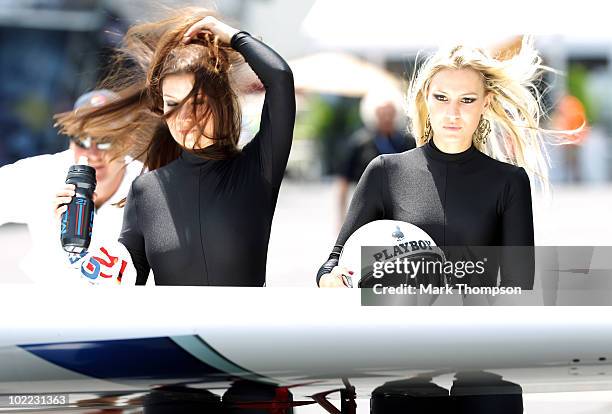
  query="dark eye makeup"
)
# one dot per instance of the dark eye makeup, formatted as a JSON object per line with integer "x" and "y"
{"x": 443, "y": 98}
{"x": 440, "y": 97}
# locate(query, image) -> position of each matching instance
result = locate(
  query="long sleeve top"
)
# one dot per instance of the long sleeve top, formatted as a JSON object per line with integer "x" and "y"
{"x": 462, "y": 201}
{"x": 207, "y": 222}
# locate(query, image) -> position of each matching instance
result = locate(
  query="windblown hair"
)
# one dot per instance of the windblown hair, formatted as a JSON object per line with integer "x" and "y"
{"x": 135, "y": 123}
{"x": 514, "y": 111}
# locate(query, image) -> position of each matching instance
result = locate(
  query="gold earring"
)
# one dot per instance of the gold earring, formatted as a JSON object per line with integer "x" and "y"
{"x": 428, "y": 133}
{"x": 482, "y": 131}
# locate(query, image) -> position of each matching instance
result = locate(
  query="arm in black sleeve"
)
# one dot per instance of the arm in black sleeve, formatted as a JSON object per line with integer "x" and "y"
{"x": 331, "y": 262}
{"x": 139, "y": 259}
{"x": 273, "y": 141}
{"x": 518, "y": 259}
{"x": 367, "y": 205}
{"x": 132, "y": 238}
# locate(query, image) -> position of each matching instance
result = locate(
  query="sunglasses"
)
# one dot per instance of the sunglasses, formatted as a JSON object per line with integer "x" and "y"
{"x": 87, "y": 143}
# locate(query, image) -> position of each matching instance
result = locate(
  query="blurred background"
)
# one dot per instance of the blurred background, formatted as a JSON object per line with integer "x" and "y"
{"x": 352, "y": 61}
{"x": 349, "y": 58}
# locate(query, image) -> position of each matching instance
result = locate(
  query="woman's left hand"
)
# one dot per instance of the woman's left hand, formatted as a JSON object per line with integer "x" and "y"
{"x": 210, "y": 24}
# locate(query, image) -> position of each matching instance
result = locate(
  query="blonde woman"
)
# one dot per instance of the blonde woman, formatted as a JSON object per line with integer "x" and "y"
{"x": 467, "y": 184}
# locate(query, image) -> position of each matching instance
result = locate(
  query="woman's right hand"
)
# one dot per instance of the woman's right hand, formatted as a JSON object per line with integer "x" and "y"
{"x": 62, "y": 199}
{"x": 339, "y": 277}
{"x": 224, "y": 32}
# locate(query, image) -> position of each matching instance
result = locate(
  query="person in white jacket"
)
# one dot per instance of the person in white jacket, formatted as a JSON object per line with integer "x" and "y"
{"x": 36, "y": 185}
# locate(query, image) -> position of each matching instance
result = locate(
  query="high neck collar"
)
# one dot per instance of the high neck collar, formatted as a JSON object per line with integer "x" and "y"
{"x": 192, "y": 158}
{"x": 434, "y": 152}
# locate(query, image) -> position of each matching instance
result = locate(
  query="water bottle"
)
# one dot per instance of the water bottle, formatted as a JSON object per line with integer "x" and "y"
{"x": 77, "y": 220}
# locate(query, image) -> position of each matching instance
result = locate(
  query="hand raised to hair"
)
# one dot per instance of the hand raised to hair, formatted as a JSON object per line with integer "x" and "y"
{"x": 212, "y": 25}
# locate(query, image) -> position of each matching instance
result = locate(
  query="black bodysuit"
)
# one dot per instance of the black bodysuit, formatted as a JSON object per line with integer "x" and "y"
{"x": 464, "y": 199}
{"x": 205, "y": 222}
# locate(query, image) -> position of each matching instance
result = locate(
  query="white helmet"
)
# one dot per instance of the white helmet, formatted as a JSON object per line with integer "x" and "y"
{"x": 375, "y": 249}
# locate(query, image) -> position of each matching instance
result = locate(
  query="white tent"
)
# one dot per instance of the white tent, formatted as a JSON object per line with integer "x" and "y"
{"x": 340, "y": 74}
{"x": 399, "y": 26}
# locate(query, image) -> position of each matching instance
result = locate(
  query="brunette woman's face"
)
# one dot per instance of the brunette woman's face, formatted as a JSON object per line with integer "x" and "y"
{"x": 456, "y": 100}
{"x": 182, "y": 125}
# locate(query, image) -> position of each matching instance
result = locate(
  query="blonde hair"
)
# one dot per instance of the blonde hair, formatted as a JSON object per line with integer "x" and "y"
{"x": 514, "y": 111}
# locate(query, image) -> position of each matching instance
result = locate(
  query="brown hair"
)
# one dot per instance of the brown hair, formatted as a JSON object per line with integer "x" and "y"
{"x": 135, "y": 123}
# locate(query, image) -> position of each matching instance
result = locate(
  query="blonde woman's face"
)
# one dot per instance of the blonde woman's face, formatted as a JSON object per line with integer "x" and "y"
{"x": 455, "y": 101}
{"x": 182, "y": 124}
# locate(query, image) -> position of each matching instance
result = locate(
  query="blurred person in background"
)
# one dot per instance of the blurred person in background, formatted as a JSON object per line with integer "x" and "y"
{"x": 467, "y": 184}
{"x": 570, "y": 115}
{"x": 202, "y": 213}
{"x": 384, "y": 132}
{"x": 36, "y": 188}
